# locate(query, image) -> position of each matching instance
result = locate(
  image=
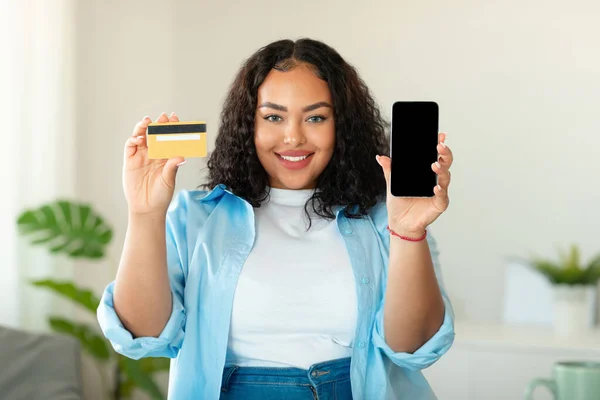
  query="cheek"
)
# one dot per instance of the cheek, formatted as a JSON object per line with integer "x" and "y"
{"x": 264, "y": 138}
{"x": 326, "y": 140}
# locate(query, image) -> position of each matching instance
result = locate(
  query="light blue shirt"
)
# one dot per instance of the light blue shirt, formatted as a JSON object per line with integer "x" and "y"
{"x": 209, "y": 236}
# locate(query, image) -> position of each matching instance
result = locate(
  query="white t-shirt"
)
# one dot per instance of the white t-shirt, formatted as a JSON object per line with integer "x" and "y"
{"x": 295, "y": 302}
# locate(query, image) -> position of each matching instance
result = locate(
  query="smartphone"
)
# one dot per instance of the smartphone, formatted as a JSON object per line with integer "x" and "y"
{"x": 413, "y": 148}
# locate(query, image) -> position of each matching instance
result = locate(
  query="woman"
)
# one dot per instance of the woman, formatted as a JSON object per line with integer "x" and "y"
{"x": 297, "y": 275}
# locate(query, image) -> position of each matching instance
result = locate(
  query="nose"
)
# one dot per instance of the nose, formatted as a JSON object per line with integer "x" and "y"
{"x": 294, "y": 134}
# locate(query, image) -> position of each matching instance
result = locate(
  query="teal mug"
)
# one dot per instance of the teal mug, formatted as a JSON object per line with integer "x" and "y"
{"x": 570, "y": 381}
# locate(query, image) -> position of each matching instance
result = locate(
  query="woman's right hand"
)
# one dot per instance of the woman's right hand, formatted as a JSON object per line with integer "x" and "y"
{"x": 148, "y": 184}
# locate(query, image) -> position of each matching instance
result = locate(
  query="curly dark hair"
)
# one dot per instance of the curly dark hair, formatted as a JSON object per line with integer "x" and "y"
{"x": 352, "y": 178}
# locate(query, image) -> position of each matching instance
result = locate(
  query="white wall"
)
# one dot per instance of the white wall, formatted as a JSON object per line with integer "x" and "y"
{"x": 518, "y": 85}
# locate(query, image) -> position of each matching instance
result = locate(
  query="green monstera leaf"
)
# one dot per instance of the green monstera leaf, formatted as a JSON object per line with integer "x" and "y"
{"x": 75, "y": 230}
{"x": 83, "y": 297}
{"x": 66, "y": 227}
{"x": 146, "y": 366}
{"x": 151, "y": 365}
{"x": 136, "y": 376}
{"x": 91, "y": 341}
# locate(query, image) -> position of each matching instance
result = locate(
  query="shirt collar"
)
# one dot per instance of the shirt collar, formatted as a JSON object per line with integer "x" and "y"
{"x": 220, "y": 190}
{"x": 216, "y": 192}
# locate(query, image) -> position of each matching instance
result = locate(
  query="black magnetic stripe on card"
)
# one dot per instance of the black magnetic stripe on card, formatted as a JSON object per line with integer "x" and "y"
{"x": 184, "y": 128}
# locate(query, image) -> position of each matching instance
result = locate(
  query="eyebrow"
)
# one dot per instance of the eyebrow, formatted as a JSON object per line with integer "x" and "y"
{"x": 312, "y": 107}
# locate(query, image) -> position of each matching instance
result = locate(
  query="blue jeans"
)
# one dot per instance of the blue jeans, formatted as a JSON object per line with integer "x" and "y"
{"x": 329, "y": 380}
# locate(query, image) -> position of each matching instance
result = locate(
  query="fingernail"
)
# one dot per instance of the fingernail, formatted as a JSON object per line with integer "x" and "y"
{"x": 437, "y": 164}
{"x": 140, "y": 137}
{"x": 443, "y": 144}
{"x": 439, "y": 187}
{"x": 181, "y": 163}
{"x": 173, "y": 114}
{"x": 146, "y": 117}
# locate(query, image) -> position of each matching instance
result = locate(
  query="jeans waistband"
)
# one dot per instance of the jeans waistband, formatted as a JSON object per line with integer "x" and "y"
{"x": 323, "y": 372}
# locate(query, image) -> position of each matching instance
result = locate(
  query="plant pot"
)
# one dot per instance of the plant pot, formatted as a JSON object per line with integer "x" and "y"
{"x": 574, "y": 308}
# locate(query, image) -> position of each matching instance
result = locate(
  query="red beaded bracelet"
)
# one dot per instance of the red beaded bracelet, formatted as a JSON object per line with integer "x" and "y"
{"x": 406, "y": 237}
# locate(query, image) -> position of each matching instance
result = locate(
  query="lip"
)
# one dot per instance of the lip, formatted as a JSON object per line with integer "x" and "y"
{"x": 294, "y": 165}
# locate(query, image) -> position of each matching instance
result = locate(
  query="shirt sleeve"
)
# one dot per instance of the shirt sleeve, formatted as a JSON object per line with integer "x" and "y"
{"x": 168, "y": 343}
{"x": 441, "y": 341}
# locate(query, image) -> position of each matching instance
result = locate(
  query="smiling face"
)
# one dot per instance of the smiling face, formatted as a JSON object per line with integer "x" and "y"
{"x": 294, "y": 129}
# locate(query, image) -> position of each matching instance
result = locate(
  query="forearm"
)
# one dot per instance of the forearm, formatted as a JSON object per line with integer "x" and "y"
{"x": 414, "y": 309}
{"x": 142, "y": 294}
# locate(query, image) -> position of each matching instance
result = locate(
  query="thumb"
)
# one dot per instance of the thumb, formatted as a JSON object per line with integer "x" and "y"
{"x": 170, "y": 170}
{"x": 386, "y": 166}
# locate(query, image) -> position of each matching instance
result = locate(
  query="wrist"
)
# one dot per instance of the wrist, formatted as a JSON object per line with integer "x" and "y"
{"x": 416, "y": 231}
{"x": 416, "y": 234}
{"x": 147, "y": 218}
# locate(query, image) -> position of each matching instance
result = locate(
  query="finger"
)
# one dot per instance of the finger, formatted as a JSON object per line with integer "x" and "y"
{"x": 140, "y": 127}
{"x": 173, "y": 117}
{"x": 440, "y": 198}
{"x": 443, "y": 174}
{"x": 445, "y": 155}
{"x": 169, "y": 171}
{"x": 442, "y": 137}
{"x": 386, "y": 166}
{"x": 133, "y": 144}
{"x": 138, "y": 138}
{"x": 162, "y": 118}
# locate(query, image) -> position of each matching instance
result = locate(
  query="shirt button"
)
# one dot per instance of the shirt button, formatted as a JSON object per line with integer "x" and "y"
{"x": 365, "y": 280}
{"x": 361, "y": 345}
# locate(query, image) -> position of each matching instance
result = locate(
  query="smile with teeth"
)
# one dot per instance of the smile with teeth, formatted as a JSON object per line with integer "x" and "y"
{"x": 294, "y": 159}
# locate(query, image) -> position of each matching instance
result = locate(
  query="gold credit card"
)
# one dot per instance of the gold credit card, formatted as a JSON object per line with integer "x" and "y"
{"x": 176, "y": 139}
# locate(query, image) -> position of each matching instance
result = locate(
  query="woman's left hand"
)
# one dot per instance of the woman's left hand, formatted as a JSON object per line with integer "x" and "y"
{"x": 411, "y": 216}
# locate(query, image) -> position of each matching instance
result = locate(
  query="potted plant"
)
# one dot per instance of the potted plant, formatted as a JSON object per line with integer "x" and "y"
{"x": 574, "y": 289}
{"x": 75, "y": 230}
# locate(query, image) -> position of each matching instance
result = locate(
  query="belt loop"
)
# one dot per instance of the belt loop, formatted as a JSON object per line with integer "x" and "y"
{"x": 227, "y": 376}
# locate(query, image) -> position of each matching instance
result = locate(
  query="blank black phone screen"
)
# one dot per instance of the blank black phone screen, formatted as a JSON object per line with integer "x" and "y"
{"x": 413, "y": 148}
